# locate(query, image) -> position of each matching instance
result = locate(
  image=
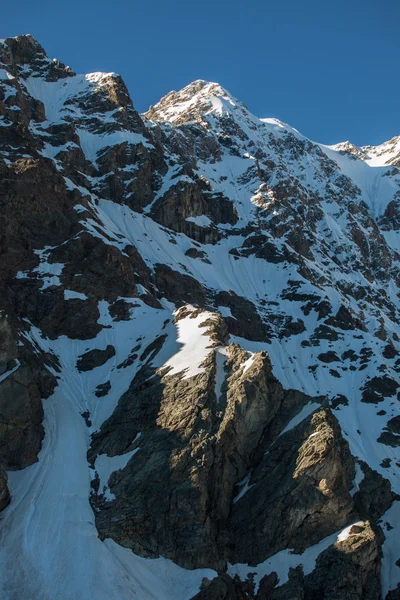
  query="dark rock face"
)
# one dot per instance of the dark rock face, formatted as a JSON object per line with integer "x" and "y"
{"x": 391, "y": 437}
{"x": 245, "y": 320}
{"x": 21, "y": 427}
{"x": 4, "y": 493}
{"x": 177, "y": 287}
{"x": 262, "y": 247}
{"x": 120, "y": 310}
{"x": 393, "y": 594}
{"x": 379, "y": 388}
{"x": 95, "y": 358}
{"x": 374, "y": 496}
{"x": 349, "y": 569}
{"x": 35, "y": 207}
{"x": 126, "y": 234}
{"x": 224, "y": 588}
{"x": 102, "y": 389}
{"x": 56, "y": 316}
{"x": 300, "y": 492}
{"x": 193, "y": 200}
{"x": 22, "y": 382}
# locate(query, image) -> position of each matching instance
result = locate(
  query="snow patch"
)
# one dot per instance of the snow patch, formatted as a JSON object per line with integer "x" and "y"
{"x": 245, "y": 487}
{"x": 194, "y": 344}
{"x": 305, "y": 412}
{"x": 247, "y": 364}
{"x": 72, "y": 295}
{"x": 201, "y": 221}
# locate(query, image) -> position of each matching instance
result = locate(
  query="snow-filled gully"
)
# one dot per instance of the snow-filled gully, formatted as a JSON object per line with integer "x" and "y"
{"x": 49, "y": 546}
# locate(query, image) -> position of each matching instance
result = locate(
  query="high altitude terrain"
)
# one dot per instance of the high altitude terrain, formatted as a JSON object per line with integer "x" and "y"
{"x": 199, "y": 348}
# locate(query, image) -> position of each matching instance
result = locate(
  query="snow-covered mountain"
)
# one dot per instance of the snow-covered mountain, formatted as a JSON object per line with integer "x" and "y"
{"x": 199, "y": 348}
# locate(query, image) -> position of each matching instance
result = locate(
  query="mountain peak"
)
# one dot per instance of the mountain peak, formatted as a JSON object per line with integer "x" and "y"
{"x": 23, "y": 55}
{"x": 192, "y": 102}
{"x": 348, "y": 147}
{"x": 387, "y": 153}
{"x": 23, "y": 48}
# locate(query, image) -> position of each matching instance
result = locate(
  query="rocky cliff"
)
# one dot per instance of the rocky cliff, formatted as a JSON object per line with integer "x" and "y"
{"x": 199, "y": 348}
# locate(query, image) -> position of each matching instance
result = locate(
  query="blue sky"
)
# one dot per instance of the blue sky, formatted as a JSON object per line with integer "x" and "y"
{"x": 330, "y": 69}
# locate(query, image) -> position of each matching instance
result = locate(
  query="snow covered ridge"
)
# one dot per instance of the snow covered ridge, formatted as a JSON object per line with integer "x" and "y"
{"x": 387, "y": 153}
{"x": 199, "y": 347}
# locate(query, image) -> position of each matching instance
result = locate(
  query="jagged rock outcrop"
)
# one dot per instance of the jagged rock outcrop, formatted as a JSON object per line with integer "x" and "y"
{"x": 194, "y": 449}
{"x": 4, "y": 493}
{"x": 24, "y": 379}
{"x": 348, "y": 569}
{"x": 95, "y": 358}
{"x": 299, "y": 492}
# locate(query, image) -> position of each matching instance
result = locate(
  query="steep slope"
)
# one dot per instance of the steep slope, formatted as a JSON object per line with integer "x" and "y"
{"x": 207, "y": 304}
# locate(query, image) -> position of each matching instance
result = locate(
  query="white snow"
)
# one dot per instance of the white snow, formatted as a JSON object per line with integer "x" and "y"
{"x": 247, "y": 364}
{"x": 359, "y": 476}
{"x": 160, "y": 578}
{"x": 377, "y": 189}
{"x": 193, "y": 345}
{"x": 345, "y": 534}
{"x": 5, "y": 75}
{"x": 201, "y": 221}
{"x": 92, "y": 143}
{"x": 48, "y": 272}
{"x": 305, "y": 412}
{"x": 141, "y": 289}
{"x": 383, "y": 153}
{"x": 225, "y": 311}
{"x": 244, "y": 487}
{"x": 72, "y": 295}
{"x": 51, "y": 151}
